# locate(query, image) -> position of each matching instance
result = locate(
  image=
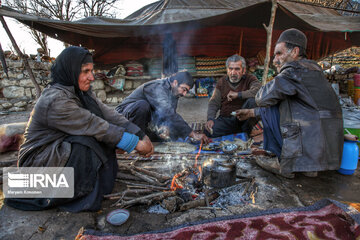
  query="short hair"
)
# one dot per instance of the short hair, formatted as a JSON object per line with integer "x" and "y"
{"x": 183, "y": 77}
{"x": 290, "y": 46}
{"x": 236, "y": 58}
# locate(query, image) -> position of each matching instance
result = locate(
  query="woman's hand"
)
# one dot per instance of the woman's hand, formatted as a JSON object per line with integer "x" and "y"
{"x": 145, "y": 147}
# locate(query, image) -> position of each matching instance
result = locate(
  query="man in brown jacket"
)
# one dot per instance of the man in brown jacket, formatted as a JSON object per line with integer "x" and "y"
{"x": 234, "y": 91}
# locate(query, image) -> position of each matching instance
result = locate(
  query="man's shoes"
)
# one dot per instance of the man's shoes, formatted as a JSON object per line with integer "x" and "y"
{"x": 310, "y": 174}
{"x": 272, "y": 165}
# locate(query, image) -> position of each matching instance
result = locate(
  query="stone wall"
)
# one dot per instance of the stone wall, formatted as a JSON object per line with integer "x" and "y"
{"x": 17, "y": 93}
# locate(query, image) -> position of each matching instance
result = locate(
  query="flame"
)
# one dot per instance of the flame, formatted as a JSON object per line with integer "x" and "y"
{"x": 200, "y": 173}
{"x": 174, "y": 185}
{"x": 197, "y": 155}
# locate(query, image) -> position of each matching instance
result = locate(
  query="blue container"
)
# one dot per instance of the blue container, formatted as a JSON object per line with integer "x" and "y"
{"x": 350, "y": 157}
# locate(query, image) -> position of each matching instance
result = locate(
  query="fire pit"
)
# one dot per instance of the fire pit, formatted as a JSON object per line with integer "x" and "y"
{"x": 178, "y": 181}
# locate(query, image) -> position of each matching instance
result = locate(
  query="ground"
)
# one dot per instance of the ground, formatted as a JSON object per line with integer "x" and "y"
{"x": 273, "y": 192}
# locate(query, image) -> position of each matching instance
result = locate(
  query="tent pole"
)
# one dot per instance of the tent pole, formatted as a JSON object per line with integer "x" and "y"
{"x": 21, "y": 55}
{"x": 241, "y": 40}
{"x": 269, "y": 30}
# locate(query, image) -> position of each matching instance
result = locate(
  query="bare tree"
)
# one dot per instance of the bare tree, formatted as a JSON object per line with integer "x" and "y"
{"x": 66, "y": 10}
{"x": 98, "y": 7}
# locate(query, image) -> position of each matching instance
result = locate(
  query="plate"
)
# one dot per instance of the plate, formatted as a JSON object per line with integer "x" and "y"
{"x": 174, "y": 147}
{"x": 118, "y": 216}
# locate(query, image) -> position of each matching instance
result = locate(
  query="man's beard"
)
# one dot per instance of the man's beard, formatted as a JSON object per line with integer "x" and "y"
{"x": 236, "y": 79}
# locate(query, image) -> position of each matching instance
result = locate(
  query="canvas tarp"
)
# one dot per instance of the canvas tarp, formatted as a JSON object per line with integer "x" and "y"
{"x": 211, "y": 28}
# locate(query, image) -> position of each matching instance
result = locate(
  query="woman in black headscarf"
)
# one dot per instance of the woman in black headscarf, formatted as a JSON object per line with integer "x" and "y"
{"x": 69, "y": 127}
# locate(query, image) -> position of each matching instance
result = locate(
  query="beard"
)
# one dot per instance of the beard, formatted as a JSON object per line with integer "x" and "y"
{"x": 234, "y": 79}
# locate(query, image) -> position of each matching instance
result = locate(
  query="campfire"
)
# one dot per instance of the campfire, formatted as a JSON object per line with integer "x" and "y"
{"x": 181, "y": 182}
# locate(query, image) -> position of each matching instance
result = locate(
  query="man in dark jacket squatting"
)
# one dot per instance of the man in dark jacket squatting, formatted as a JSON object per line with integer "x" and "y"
{"x": 152, "y": 107}
{"x": 234, "y": 91}
{"x": 300, "y": 111}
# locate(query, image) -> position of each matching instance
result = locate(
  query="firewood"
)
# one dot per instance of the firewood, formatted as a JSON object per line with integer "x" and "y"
{"x": 125, "y": 176}
{"x": 248, "y": 186}
{"x": 149, "y": 199}
{"x": 129, "y": 192}
{"x": 160, "y": 177}
{"x": 138, "y": 185}
{"x": 141, "y": 176}
{"x": 10, "y": 163}
{"x": 199, "y": 202}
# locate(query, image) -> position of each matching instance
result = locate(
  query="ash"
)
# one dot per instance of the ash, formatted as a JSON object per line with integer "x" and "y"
{"x": 231, "y": 196}
{"x": 157, "y": 209}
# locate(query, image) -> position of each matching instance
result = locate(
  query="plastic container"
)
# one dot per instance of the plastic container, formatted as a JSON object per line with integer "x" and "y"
{"x": 357, "y": 80}
{"x": 357, "y": 96}
{"x": 350, "y": 158}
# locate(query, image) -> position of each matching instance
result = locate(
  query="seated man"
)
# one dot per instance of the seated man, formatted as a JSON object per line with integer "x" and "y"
{"x": 234, "y": 91}
{"x": 69, "y": 127}
{"x": 152, "y": 107}
{"x": 300, "y": 112}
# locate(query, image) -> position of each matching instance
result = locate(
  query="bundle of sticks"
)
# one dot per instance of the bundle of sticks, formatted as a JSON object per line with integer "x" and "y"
{"x": 147, "y": 187}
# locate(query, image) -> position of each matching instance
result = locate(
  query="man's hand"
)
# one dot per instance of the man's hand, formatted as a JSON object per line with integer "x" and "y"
{"x": 244, "y": 114}
{"x": 164, "y": 133}
{"x": 199, "y": 137}
{"x": 145, "y": 147}
{"x": 209, "y": 126}
{"x": 232, "y": 95}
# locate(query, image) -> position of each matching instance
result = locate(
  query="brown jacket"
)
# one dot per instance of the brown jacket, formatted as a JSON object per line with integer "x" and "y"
{"x": 57, "y": 114}
{"x": 248, "y": 86}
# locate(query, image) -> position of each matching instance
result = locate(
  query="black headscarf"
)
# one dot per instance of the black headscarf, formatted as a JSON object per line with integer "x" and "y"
{"x": 66, "y": 71}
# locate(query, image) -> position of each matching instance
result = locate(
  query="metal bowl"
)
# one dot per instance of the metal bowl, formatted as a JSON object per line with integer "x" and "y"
{"x": 229, "y": 148}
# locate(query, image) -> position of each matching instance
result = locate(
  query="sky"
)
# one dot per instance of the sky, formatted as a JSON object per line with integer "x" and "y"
{"x": 29, "y": 46}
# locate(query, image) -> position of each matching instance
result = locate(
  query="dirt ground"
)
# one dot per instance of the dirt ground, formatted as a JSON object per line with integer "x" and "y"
{"x": 272, "y": 192}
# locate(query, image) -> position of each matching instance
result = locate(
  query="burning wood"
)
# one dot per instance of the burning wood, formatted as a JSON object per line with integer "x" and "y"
{"x": 198, "y": 203}
{"x": 150, "y": 182}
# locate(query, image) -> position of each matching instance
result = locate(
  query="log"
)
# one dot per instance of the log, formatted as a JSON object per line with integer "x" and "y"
{"x": 199, "y": 202}
{"x": 159, "y": 176}
{"x": 149, "y": 199}
{"x": 269, "y": 30}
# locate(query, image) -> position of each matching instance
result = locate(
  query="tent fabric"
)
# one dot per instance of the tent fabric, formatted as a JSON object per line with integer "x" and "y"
{"x": 199, "y": 27}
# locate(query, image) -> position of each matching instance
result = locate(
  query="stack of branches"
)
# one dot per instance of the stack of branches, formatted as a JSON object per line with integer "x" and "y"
{"x": 147, "y": 187}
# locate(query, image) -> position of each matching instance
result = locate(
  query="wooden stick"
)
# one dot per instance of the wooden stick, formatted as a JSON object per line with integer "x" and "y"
{"x": 131, "y": 192}
{"x": 21, "y": 55}
{"x": 250, "y": 184}
{"x": 125, "y": 176}
{"x": 8, "y": 163}
{"x": 145, "y": 186}
{"x": 160, "y": 177}
{"x": 198, "y": 203}
{"x": 146, "y": 199}
{"x": 269, "y": 30}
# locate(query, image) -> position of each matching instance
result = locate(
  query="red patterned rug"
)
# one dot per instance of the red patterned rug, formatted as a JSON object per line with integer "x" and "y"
{"x": 327, "y": 219}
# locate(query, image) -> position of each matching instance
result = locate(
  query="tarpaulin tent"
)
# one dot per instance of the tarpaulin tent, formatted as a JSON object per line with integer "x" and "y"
{"x": 210, "y": 28}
